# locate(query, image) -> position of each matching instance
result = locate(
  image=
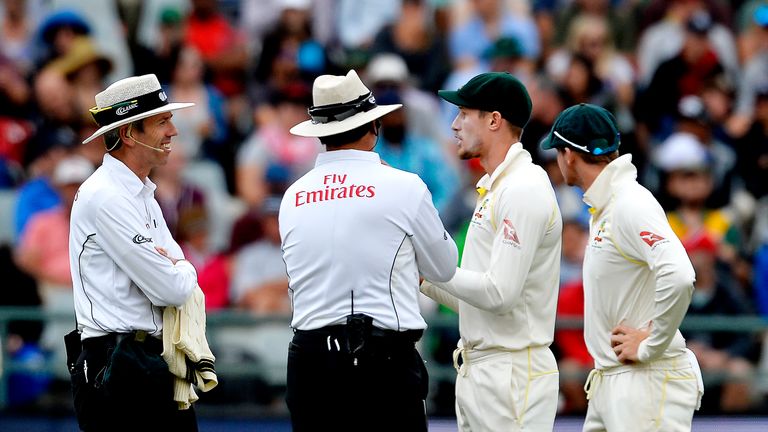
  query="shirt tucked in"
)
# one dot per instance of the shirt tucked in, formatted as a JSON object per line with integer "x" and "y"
{"x": 120, "y": 281}
{"x": 356, "y": 234}
{"x": 636, "y": 271}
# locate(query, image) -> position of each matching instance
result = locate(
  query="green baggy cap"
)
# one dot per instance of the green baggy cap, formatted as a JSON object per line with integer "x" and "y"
{"x": 494, "y": 91}
{"x": 584, "y": 127}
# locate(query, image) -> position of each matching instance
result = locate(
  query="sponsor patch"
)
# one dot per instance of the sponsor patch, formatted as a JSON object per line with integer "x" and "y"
{"x": 650, "y": 238}
{"x": 510, "y": 234}
{"x": 139, "y": 239}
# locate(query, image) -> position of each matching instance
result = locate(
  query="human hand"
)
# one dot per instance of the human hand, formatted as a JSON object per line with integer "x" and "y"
{"x": 626, "y": 340}
{"x": 164, "y": 253}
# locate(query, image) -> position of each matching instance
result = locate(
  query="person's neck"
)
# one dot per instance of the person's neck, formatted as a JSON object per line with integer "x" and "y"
{"x": 495, "y": 156}
{"x": 588, "y": 173}
{"x": 363, "y": 144}
{"x": 134, "y": 165}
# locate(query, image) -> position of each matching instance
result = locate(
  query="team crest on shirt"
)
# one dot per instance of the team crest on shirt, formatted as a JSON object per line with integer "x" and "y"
{"x": 479, "y": 215}
{"x": 510, "y": 234}
{"x": 597, "y": 241}
{"x": 651, "y": 239}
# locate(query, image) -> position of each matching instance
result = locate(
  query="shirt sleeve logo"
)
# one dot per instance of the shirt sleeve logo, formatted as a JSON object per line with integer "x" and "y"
{"x": 510, "y": 234}
{"x": 139, "y": 239}
{"x": 650, "y": 238}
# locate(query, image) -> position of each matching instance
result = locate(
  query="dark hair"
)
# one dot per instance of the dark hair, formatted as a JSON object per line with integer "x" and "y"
{"x": 347, "y": 137}
{"x": 113, "y": 136}
{"x": 516, "y": 130}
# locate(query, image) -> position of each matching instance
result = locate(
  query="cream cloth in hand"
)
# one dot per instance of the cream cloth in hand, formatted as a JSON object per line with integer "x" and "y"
{"x": 185, "y": 349}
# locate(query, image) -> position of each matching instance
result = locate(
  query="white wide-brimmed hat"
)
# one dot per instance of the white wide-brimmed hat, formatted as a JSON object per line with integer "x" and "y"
{"x": 340, "y": 104}
{"x": 128, "y": 100}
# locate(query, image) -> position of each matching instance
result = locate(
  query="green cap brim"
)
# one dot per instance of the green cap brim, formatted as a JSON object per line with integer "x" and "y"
{"x": 550, "y": 142}
{"x": 453, "y": 97}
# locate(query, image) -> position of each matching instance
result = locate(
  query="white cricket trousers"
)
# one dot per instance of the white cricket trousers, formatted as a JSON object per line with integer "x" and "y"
{"x": 656, "y": 396}
{"x": 506, "y": 390}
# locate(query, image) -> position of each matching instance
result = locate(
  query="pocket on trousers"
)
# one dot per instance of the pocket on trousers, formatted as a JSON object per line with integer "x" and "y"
{"x": 135, "y": 373}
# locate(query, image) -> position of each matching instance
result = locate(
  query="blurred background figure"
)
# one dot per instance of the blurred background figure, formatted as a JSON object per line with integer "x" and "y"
{"x": 271, "y": 157}
{"x": 43, "y": 253}
{"x": 732, "y": 355}
{"x": 399, "y": 146}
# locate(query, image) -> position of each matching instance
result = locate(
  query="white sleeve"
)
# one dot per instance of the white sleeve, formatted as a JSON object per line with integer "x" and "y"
{"x": 122, "y": 235}
{"x": 520, "y": 229}
{"x": 436, "y": 252}
{"x": 644, "y": 234}
{"x": 430, "y": 290}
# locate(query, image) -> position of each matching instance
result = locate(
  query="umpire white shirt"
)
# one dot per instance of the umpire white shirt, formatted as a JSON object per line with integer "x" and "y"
{"x": 120, "y": 281}
{"x": 635, "y": 268}
{"x": 506, "y": 289}
{"x": 356, "y": 234}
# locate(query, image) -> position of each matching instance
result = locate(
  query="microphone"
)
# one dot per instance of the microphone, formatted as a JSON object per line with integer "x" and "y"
{"x": 129, "y": 135}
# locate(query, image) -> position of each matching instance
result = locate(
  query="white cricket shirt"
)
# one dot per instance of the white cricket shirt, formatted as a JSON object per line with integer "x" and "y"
{"x": 635, "y": 268}
{"x": 120, "y": 281}
{"x": 506, "y": 289}
{"x": 356, "y": 234}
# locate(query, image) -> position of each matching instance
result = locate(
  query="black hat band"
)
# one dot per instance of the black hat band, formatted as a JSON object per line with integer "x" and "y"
{"x": 132, "y": 107}
{"x": 342, "y": 111}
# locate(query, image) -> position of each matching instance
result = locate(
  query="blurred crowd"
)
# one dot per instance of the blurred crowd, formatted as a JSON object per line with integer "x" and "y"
{"x": 686, "y": 79}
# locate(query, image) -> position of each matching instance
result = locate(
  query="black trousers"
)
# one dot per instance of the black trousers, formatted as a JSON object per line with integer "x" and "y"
{"x": 132, "y": 391}
{"x": 383, "y": 388}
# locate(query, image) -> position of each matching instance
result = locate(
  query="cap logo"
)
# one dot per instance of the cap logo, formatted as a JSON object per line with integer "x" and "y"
{"x": 162, "y": 96}
{"x": 578, "y": 146}
{"x": 123, "y": 110}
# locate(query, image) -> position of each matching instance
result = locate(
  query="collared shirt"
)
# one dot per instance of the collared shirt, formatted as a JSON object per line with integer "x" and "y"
{"x": 356, "y": 234}
{"x": 635, "y": 268}
{"x": 506, "y": 289}
{"x": 119, "y": 279}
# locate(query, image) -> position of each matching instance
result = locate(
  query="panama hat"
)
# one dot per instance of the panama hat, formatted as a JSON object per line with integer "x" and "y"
{"x": 341, "y": 103}
{"x": 128, "y": 100}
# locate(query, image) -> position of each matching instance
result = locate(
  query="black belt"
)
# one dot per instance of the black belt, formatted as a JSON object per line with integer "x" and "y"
{"x": 340, "y": 330}
{"x": 112, "y": 339}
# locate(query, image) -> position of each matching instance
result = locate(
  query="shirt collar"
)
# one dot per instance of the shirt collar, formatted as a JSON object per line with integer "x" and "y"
{"x": 340, "y": 155}
{"x": 619, "y": 171}
{"x": 515, "y": 155}
{"x": 123, "y": 175}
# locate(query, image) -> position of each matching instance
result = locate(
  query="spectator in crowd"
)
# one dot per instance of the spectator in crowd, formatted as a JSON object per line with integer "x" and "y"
{"x": 573, "y": 356}
{"x": 689, "y": 182}
{"x": 754, "y": 75}
{"x": 221, "y": 45}
{"x": 259, "y": 279}
{"x": 403, "y": 149}
{"x": 693, "y": 121}
{"x": 683, "y": 74}
{"x": 290, "y": 51}
{"x": 665, "y": 37}
{"x": 752, "y": 149}
{"x": 57, "y": 33}
{"x": 388, "y": 72}
{"x": 271, "y": 148}
{"x": 37, "y": 193}
{"x": 485, "y": 22}
{"x": 590, "y": 36}
{"x": 728, "y": 353}
{"x": 204, "y": 126}
{"x": 43, "y": 252}
{"x": 85, "y": 68}
{"x": 17, "y": 29}
{"x": 414, "y": 37}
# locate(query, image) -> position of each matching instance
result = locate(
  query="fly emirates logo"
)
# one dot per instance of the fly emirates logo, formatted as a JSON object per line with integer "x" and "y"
{"x": 334, "y": 187}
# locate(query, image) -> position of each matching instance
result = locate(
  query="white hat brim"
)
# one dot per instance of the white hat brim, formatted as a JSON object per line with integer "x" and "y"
{"x": 310, "y": 129}
{"x": 165, "y": 108}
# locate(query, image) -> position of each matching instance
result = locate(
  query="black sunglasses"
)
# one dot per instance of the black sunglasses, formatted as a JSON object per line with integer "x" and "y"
{"x": 342, "y": 111}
